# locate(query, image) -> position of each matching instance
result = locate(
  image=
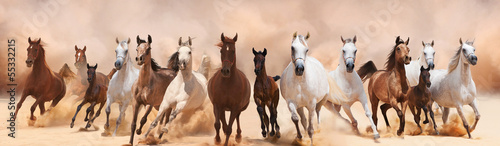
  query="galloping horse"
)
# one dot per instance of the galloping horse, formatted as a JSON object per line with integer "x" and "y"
{"x": 42, "y": 83}
{"x": 304, "y": 83}
{"x": 350, "y": 84}
{"x": 152, "y": 83}
{"x": 419, "y": 97}
{"x": 454, "y": 87}
{"x": 95, "y": 94}
{"x": 188, "y": 90}
{"x": 120, "y": 85}
{"x": 229, "y": 90}
{"x": 266, "y": 92}
{"x": 426, "y": 60}
{"x": 389, "y": 86}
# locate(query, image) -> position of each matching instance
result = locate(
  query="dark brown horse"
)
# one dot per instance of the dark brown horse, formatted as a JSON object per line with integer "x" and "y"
{"x": 419, "y": 97}
{"x": 229, "y": 90}
{"x": 95, "y": 94}
{"x": 42, "y": 83}
{"x": 265, "y": 92}
{"x": 151, "y": 84}
{"x": 389, "y": 86}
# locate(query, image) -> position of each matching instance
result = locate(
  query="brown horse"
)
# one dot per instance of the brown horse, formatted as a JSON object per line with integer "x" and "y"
{"x": 95, "y": 94}
{"x": 389, "y": 86}
{"x": 265, "y": 92}
{"x": 151, "y": 84}
{"x": 229, "y": 90}
{"x": 42, "y": 83}
{"x": 419, "y": 97}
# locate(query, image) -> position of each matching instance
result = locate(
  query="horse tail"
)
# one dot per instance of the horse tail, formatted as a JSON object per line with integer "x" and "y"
{"x": 276, "y": 78}
{"x": 205, "y": 66}
{"x": 173, "y": 62}
{"x": 66, "y": 73}
{"x": 111, "y": 73}
{"x": 366, "y": 71}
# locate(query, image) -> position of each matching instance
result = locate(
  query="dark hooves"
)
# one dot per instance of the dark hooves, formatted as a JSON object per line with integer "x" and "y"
{"x": 278, "y": 134}
{"x": 138, "y": 131}
{"x": 217, "y": 141}
{"x": 426, "y": 121}
{"x": 238, "y": 138}
{"x": 88, "y": 125}
{"x": 263, "y": 134}
{"x": 71, "y": 125}
{"x": 272, "y": 133}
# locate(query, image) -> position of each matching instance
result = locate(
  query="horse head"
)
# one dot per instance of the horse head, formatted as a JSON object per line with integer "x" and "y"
{"x": 34, "y": 49}
{"x": 91, "y": 72}
{"x": 184, "y": 54}
{"x": 468, "y": 52}
{"x": 425, "y": 76}
{"x": 299, "y": 52}
{"x": 143, "y": 50}
{"x": 121, "y": 53}
{"x": 259, "y": 60}
{"x": 402, "y": 51}
{"x": 80, "y": 57}
{"x": 228, "y": 54}
{"x": 349, "y": 53}
{"x": 428, "y": 54}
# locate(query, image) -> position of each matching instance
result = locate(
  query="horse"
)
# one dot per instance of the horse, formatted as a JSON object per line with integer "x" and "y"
{"x": 228, "y": 90}
{"x": 419, "y": 97}
{"x": 266, "y": 93}
{"x": 389, "y": 86}
{"x": 42, "y": 83}
{"x": 304, "y": 83}
{"x": 426, "y": 60}
{"x": 79, "y": 86}
{"x": 95, "y": 94}
{"x": 350, "y": 84}
{"x": 454, "y": 87}
{"x": 188, "y": 90}
{"x": 150, "y": 86}
{"x": 120, "y": 85}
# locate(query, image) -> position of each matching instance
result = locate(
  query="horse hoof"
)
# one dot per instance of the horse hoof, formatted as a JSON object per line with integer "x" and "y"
{"x": 71, "y": 125}
{"x": 88, "y": 125}
{"x": 217, "y": 140}
{"x": 138, "y": 132}
{"x": 278, "y": 134}
{"x": 426, "y": 121}
{"x": 272, "y": 133}
{"x": 437, "y": 132}
{"x": 164, "y": 130}
{"x": 263, "y": 134}
{"x": 376, "y": 136}
{"x": 238, "y": 138}
{"x": 400, "y": 132}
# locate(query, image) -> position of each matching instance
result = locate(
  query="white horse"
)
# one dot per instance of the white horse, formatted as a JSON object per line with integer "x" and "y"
{"x": 454, "y": 87}
{"x": 188, "y": 90}
{"x": 304, "y": 83}
{"x": 120, "y": 85}
{"x": 350, "y": 84}
{"x": 426, "y": 60}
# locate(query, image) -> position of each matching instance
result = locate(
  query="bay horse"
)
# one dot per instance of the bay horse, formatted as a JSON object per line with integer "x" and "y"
{"x": 389, "y": 86}
{"x": 454, "y": 87}
{"x": 266, "y": 93}
{"x": 120, "y": 85}
{"x": 419, "y": 97}
{"x": 228, "y": 90}
{"x": 188, "y": 90}
{"x": 304, "y": 83}
{"x": 42, "y": 83}
{"x": 151, "y": 84}
{"x": 426, "y": 60}
{"x": 95, "y": 94}
{"x": 350, "y": 84}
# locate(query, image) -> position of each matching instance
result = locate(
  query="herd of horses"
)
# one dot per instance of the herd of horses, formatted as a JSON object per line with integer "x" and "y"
{"x": 305, "y": 83}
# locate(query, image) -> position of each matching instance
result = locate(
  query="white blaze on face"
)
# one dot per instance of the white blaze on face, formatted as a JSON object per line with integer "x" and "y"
{"x": 79, "y": 56}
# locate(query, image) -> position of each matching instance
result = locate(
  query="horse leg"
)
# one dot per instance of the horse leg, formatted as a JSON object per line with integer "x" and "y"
{"x": 272, "y": 112}
{"x": 57, "y": 99}
{"x": 163, "y": 121}
{"x": 464, "y": 120}
{"x": 333, "y": 108}
{"x": 122, "y": 108}
{"x": 23, "y": 97}
{"x": 402, "y": 122}
{"x": 134, "y": 125}
{"x": 431, "y": 113}
{"x": 261, "y": 110}
{"x": 238, "y": 131}
{"x": 101, "y": 105}
{"x": 446, "y": 112}
{"x": 425, "y": 112}
{"x": 217, "y": 124}
{"x": 310, "y": 129}
{"x": 417, "y": 118}
{"x": 108, "y": 111}
{"x": 33, "y": 108}
{"x": 144, "y": 119}
{"x": 394, "y": 104}
{"x": 229, "y": 128}
{"x": 383, "y": 108}
{"x": 91, "y": 114}
{"x": 266, "y": 118}
{"x": 476, "y": 112}
{"x": 354, "y": 122}
{"x": 374, "y": 101}
{"x": 303, "y": 118}
{"x": 368, "y": 114}
{"x": 78, "y": 108}
{"x": 178, "y": 108}
{"x": 295, "y": 118}
{"x": 154, "y": 123}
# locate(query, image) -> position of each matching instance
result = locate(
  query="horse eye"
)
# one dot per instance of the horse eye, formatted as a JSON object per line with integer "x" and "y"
{"x": 293, "y": 49}
{"x": 425, "y": 53}
{"x": 355, "y": 51}
{"x": 433, "y": 53}
{"x": 190, "y": 53}
{"x": 399, "y": 48}
{"x": 343, "y": 51}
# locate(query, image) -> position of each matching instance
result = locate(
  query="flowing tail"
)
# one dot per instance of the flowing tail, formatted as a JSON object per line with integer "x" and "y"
{"x": 276, "y": 78}
{"x": 66, "y": 73}
{"x": 366, "y": 71}
{"x": 111, "y": 73}
{"x": 205, "y": 66}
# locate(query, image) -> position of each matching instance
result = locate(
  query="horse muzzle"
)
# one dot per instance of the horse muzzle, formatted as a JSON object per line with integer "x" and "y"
{"x": 349, "y": 65}
{"x": 299, "y": 70}
{"x": 407, "y": 60}
{"x": 430, "y": 65}
{"x": 225, "y": 72}
{"x": 118, "y": 65}
{"x": 473, "y": 59}
{"x": 257, "y": 71}
{"x": 29, "y": 62}
{"x": 428, "y": 84}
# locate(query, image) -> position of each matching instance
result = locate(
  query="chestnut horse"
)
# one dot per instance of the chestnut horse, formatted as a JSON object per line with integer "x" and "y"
{"x": 150, "y": 86}
{"x": 229, "y": 90}
{"x": 389, "y": 86}
{"x": 95, "y": 94}
{"x": 265, "y": 92}
{"x": 419, "y": 97}
{"x": 42, "y": 83}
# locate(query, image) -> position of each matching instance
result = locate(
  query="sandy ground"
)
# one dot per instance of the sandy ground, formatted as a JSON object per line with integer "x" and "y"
{"x": 53, "y": 128}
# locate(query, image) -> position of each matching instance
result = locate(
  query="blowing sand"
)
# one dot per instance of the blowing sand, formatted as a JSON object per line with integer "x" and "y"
{"x": 53, "y": 128}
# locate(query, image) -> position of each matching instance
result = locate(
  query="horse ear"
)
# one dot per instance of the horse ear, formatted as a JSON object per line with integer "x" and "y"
{"x": 423, "y": 44}
{"x": 76, "y": 48}
{"x": 407, "y": 41}
{"x": 189, "y": 40}
{"x": 88, "y": 66}
{"x": 460, "y": 41}
{"x": 294, "y": 35}
{"x": 472, "y": 43}
{"x": 84, "y": 48}
{"x": 128, "y": 41}
{"x": 254, "y": 52}
{"x": 265, "y": 52}
{"x": 138, "y": 40}
{"x": 95, "y": 66}
{"x": 149, "y": 39}
{"x": 117, "y": 41}
{"x": 432, "y": 43}
{"x": 235, "y": 37}
{"x": 180, "y": 41}
{"x": 354, "y": 39}
{"x": 397, "y": 40}
{"x": 342, "y": 38}
{"x": 222, "y": 37}
{"x": 29, "y": 39}
{"x": 39, "y": 40}
{"x": 422, "y": 68}
{"x": 307, "y": 36}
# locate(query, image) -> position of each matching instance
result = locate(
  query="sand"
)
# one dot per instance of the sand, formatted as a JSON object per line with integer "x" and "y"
{"x": 53, "y": 128}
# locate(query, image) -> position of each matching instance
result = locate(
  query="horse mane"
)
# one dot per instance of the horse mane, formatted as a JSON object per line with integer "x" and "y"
{"x": 155, "y": 65}
{"x": 227, "y": 40}
{"x": 454, "y": 61}
{"x": 391, "y": 59}
{"x": 173, "y": 62}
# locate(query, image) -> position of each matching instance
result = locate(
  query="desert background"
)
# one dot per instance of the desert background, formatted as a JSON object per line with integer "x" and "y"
{"x": 62, "y": 24}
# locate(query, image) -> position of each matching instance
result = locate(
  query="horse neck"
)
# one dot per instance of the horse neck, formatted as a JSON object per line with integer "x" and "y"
{"x": 146, "y": 70}
{"x": 40, "y": 65}
{"x": 399, "y": 69}
{"x": 187, "y": 72}
{"x": 263, "y": 74}
{"x": 464, "y": 71}
{"x": 421, "y": 84}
